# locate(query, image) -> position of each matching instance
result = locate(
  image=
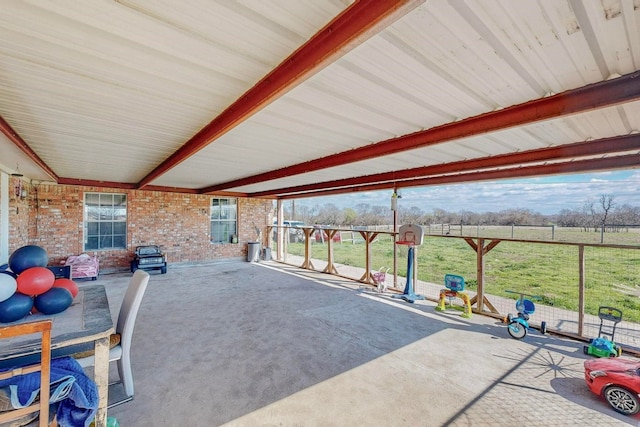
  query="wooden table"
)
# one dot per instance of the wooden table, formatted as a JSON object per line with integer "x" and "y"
{"x": 88, "y": 320}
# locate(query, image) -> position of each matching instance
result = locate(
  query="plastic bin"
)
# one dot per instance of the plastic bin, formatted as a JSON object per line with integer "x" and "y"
{"x": 266, "y": 254}
{"x": 253, "y": 251}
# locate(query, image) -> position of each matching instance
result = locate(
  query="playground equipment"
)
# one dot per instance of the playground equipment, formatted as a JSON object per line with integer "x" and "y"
{"x": 454, "y": 288}
{"x": 604, "y": 346}
{"x": 519, "y": 325}
{"x": 410, "y": 235}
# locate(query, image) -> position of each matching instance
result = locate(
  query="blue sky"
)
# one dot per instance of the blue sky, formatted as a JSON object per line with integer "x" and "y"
{"x": 546, "y": 195}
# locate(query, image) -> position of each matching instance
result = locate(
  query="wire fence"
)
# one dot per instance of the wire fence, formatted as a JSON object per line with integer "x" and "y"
{"x": 553, "y": 272}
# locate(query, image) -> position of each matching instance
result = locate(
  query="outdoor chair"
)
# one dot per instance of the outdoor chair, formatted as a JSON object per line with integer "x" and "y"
{"x": 121, "y": 352}
{"x": 42, "y": 327}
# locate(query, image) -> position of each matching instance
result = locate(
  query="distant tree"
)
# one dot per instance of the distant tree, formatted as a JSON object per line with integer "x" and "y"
{"x": 570, "y": 218}
{"x": 414, "y": 215}
{"x": 626, "y": 215}
{"x": 330, "y": 215}
{"x": 350, "y": 216}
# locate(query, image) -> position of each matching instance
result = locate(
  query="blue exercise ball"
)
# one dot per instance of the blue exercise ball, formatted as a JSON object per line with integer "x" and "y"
{"x": 9, "y": 273}
{"x": 15, "y": 307}
{"x": 27, "y": 257}
{"x": 54, "y": 301}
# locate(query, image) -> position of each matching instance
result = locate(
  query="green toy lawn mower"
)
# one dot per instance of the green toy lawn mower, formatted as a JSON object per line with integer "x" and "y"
{"x": 604, "y": 346}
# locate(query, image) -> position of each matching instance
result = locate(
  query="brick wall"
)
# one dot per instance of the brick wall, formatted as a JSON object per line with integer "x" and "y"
{"x": 52, "y": 217}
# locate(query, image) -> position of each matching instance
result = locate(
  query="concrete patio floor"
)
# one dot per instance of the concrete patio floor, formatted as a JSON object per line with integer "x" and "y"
{"x": 266, "y": 344}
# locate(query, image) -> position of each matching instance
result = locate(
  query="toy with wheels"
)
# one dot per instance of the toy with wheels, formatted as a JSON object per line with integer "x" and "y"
{"x": 604, "y": 346}
{"x": 454, "y": 288}
{"x": 519, "y": 325}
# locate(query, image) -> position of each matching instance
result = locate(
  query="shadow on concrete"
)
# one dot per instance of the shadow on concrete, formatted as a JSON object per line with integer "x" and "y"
{"x": 249, "y": 344}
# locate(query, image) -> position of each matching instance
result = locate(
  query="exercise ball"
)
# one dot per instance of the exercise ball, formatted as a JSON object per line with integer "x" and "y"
{"x": 54, "y": 301}
{"x": 8, "y": 286}
{"x": 35, "y": 281}
{"x": 27, "y": 257}
{"x": 10, "y": 273}
{"x": 15, "y": 307}
{"x": 68, "y": 284}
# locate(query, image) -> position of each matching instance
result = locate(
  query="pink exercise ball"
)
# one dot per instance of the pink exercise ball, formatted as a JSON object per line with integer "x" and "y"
{"x": 35, "y": 281}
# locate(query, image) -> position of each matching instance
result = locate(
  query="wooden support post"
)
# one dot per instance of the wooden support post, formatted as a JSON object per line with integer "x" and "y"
{"x": 481, "y": 251}
{"x": 307, "y": 249}
{"x": 368, "y": 236}
{"x": 330, "y": 268}
{"x": 581, "y": 288}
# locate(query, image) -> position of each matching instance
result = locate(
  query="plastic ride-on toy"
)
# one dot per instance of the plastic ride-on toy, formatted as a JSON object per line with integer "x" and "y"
{"x": 519, "y": 325}
{"x": 454, "y": 288}
{"x": 604, "y": 346}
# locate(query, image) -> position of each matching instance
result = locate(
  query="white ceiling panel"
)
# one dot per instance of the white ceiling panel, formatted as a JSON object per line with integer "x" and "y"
{"x": 156, "y": 93}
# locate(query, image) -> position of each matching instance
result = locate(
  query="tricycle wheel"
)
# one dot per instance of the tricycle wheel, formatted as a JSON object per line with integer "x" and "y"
{"x": 585, "y": 349}
{"x": 517, "y": 330}
{"x": 543, "y": 328}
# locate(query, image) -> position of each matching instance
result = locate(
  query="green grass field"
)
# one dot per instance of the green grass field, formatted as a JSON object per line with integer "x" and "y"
{"x": 612, "y": 275}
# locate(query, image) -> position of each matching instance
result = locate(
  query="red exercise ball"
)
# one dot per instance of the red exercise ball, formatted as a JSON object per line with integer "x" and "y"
{"x": 68, "y": 284}
{"x": 35, "y": 281}
{"x": 54, "y": 301}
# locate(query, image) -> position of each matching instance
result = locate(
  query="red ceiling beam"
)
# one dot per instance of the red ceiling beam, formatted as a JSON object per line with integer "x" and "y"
{"x": 19, "y": 142}
{"x": 597, "y": 95}
{"x": 353, "y": 26}
{"x": 590, "y": 165}
{"x": 133, "y": 186}
{"x": 617, "y": 144}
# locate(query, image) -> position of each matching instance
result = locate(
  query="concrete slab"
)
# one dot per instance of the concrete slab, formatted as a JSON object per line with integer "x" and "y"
{"x": 267, "y": 344}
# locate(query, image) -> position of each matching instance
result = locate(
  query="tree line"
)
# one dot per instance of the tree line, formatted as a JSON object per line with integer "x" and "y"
{"x": 601, "y": 214}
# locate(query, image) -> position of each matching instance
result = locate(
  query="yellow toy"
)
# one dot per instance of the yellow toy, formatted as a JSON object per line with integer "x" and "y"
{"x": 454, "y": 288}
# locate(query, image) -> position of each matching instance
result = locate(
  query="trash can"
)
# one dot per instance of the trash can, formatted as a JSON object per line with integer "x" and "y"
{"x": 253, "y": 251}
{"x": 266, "y": 254}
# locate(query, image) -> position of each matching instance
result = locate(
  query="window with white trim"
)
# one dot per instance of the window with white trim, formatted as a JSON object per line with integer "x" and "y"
{"x": 224, "y": 220}
{"x": 105, "y": 221}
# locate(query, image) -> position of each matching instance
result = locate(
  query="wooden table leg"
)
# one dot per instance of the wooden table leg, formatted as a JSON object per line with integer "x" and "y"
{"x": 101, "y": 377}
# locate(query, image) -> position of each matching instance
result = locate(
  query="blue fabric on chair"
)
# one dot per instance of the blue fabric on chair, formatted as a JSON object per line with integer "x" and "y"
{"x": 76, "y": 393}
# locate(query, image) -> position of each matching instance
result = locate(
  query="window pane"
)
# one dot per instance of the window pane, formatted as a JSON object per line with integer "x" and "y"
{"x": 223, "y": 220}
{"x": 106, "y": 242}
{"x": 106, "y": 229}
{"x": 119, "y": 241}
{"x": 120, "y": 228}
{"x": 105, "y": 221}
{"x": 92, "y": 243}
{"x": 92, "y": 199}
{"x": 92, "y": 228}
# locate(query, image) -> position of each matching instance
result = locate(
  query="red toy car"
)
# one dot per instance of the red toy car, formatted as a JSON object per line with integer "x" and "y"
{"x": 617, "y": 380}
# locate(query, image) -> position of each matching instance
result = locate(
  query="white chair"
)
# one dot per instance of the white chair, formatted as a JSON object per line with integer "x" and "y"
{"x": 126, "y": 322}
